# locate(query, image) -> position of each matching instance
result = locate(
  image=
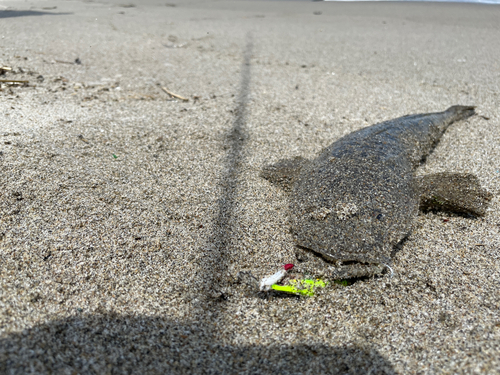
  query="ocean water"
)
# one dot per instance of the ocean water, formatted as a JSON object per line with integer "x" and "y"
{"x": 440, "y": 1}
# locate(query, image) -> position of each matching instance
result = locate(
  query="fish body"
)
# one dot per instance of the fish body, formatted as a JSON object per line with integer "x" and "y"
{"x": 358, "y": 199}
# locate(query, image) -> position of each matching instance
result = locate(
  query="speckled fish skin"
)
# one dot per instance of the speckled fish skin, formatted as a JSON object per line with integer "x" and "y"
{"x": 358, "y": 198}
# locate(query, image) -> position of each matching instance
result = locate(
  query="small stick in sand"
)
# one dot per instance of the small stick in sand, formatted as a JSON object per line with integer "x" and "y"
{"x": 12, "y": 81}
{"x": 174, "y": 95}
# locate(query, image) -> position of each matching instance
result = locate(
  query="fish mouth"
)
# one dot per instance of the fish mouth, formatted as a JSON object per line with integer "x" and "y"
{"x": 342, "y": 268}
{"x": 344, "y": 258}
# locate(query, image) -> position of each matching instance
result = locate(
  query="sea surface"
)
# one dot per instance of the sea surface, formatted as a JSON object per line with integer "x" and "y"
{"x": 437, "y": 1}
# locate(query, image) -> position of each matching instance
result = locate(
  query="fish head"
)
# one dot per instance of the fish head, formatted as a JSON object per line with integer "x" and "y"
{"x": 355, "y": 216}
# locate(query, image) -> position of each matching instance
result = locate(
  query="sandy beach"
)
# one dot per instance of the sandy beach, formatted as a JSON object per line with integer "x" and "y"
{"x": 131, "y": 220}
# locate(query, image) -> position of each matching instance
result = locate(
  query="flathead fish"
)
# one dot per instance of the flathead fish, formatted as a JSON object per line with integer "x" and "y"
{"x": 357, "y": 201}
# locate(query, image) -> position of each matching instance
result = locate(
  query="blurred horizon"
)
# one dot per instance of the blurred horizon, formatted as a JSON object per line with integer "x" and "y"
{"x": 426, "y": 1}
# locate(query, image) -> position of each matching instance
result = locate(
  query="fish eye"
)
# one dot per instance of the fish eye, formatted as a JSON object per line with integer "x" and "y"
{"x": 380, "y": 216}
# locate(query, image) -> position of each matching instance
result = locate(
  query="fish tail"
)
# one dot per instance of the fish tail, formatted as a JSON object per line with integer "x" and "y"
{"x": 460, "y": 112}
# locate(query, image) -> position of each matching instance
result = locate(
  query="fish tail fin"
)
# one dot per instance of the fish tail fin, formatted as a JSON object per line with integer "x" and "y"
{"x": 461, "y": 112}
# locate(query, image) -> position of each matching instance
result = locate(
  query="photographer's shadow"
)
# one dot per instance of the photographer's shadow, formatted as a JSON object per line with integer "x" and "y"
{"x": 115, "y": 344}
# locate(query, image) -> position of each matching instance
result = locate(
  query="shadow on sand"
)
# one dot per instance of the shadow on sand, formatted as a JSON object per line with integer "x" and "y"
{"x": 25, "y": 13}
{"x": 115, "y": 344}
{"x": 229, "y": 184}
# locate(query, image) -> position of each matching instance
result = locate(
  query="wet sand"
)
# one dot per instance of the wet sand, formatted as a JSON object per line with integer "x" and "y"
{"x": 130, "y": 220}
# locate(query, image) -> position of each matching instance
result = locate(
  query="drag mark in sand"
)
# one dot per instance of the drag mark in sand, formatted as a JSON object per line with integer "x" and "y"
{"x": 217, "y": 257}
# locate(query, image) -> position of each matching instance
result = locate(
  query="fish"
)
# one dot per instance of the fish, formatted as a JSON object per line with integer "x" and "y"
{"x": 355, "y": 204}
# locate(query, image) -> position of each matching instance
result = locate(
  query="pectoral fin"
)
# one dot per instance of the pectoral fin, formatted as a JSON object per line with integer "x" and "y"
{"x": 284, "y": 172}
{"x": 454, "y": 192}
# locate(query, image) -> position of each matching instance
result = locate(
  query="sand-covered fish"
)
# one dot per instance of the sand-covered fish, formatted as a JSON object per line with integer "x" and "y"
{"x": 358, "y": 199}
